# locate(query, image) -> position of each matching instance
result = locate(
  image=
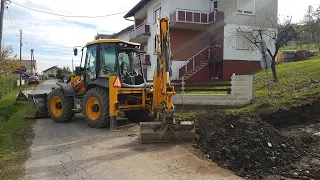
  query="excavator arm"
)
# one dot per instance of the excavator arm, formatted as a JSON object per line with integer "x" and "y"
{"x": 165, "y": 128}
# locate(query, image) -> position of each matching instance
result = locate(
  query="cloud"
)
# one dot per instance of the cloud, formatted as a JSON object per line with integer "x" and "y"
{"x": 44, "y": 32}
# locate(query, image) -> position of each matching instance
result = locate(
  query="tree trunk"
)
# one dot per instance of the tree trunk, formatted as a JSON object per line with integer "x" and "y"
{"x": 273, "y": 68}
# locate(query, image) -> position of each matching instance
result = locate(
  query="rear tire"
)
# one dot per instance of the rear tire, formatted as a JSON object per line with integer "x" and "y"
{"x": 95, "y": 107}
{"x": 137, "y": 116}
{"x": 60, "y": 106}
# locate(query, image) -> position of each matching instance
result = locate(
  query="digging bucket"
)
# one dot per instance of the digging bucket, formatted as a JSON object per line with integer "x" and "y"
{"x": 37, "y": 106}
{"x": 157, "y": 132}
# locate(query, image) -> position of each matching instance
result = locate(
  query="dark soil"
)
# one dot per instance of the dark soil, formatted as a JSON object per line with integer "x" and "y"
{"x": 254, "y": 149}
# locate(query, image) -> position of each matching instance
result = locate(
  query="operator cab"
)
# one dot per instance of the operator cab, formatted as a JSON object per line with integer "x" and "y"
{"x": 113, "y": 57}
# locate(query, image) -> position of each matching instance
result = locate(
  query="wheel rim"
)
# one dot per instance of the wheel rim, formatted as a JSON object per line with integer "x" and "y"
{"x": 54, "y": 106}
{"x": 89, "y": 108}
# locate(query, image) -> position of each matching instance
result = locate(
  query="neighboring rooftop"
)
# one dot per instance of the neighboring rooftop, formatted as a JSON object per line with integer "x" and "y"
{"x": 136, "y": 8}
{"x": 51, "y": 68}
{"x": 129, "y": 28}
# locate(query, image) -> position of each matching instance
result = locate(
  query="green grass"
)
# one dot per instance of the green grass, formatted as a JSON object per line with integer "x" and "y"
{"x": 301, "y": 47}
{"x": 297, "y": 85}
{"x": 15, "y": 136}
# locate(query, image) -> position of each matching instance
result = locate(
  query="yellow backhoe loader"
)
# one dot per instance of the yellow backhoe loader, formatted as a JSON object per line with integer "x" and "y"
{"x": 109, "y": 83}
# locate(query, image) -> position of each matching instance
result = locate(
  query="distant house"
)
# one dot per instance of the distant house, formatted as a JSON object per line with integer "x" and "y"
{"x": 102, "y": 36}
{"x": 51, "y": 72}
{"x": 28, "y": 67}
{"x": 292, "y": 35}
{"x": 123, "y": 34}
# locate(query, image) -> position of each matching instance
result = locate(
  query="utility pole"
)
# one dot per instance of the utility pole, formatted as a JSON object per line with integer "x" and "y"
{"x": 20, "y": 57}
{"x": 72, "y": 65}
{"x": 1, "y": 23}
{"x": 32, "y": 61}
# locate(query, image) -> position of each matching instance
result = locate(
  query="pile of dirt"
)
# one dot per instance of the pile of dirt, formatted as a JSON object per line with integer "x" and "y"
{"x": 248, "y": 146}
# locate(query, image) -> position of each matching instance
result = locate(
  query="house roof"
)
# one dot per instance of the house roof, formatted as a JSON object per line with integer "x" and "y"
{"x": 136, "y": 8}
{"x": 51, "y": 68}
{"x": 102, "y": 36}
{"x": 26, "y": 62}
{"x": 129, "y": 28}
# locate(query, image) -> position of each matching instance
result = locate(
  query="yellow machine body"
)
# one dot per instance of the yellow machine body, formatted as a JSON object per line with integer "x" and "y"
{"x": 107, "y": 85}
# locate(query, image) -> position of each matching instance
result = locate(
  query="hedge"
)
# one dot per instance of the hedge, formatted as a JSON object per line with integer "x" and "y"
{"x": 7, "y": 84}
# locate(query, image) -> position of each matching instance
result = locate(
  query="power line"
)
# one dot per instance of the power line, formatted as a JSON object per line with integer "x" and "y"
{"x": 52, "y": 51}
{"x": 66, "y": 15}
{"x": 12, "y": 23}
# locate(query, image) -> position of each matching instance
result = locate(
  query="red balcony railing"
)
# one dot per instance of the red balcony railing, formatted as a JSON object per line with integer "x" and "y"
{"x": 196, "y": 17}
{"x": 141, "y": 30}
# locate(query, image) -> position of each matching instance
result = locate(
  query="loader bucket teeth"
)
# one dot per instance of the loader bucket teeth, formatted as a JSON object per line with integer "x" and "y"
{"x": 37, "y": 106}
{"x": 152, "y": 132}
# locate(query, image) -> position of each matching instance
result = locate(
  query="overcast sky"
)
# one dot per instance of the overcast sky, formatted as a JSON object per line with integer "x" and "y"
{"x": 53, "y": 37}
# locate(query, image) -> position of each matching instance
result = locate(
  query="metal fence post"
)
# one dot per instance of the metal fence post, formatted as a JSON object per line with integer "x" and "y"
{"x": 182, "y": 86}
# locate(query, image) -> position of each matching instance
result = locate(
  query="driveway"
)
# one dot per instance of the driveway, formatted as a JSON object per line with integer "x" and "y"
{"x": 75, "y": 151}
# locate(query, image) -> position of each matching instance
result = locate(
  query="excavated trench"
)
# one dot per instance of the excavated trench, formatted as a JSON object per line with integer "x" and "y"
{"x": 283, "y": 144}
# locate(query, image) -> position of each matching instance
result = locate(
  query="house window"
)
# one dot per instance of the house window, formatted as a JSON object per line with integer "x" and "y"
{"x": 157, "y": 13}
{"x": 51, "y": 71}
{"x": 246, "y": 6}
{"x": 215, "y": 4}
{"x": 244, "y": 40}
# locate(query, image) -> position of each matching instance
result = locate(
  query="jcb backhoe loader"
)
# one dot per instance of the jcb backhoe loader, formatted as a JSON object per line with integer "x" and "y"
{"x": 108, "y": 83}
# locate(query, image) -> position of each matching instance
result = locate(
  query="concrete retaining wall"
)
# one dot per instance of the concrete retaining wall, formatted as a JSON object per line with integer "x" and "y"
{"x": 241, "y": 94}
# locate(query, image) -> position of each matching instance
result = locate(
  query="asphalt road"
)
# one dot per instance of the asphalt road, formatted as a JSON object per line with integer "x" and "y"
{"x": 75, "y": 151}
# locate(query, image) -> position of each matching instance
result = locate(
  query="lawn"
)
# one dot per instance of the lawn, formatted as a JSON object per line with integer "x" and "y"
{"x": 301, "y": 47}
{"x": 15, "y": 136}
{"x": 298, "y": 83}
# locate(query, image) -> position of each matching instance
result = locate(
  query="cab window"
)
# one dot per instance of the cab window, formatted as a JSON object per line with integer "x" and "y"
{"x": 91, "y": 60}
{"x": 124, "y": 61}
{"x": 108, "y": 59}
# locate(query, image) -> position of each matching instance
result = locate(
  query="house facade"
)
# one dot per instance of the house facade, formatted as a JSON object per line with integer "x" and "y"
{"x": 29, "y": 67}
{"x": 51, "y": 72}
{"x": 207, "y": 39}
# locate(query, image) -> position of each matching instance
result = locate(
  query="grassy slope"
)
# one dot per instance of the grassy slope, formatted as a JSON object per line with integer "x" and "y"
{"x": 297, "y": 84}
{"x": 15, "y": 136}
{"x": 291, "y": 90}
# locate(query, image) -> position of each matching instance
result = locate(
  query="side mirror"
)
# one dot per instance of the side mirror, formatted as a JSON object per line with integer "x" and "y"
{"x": 75, "y": 51}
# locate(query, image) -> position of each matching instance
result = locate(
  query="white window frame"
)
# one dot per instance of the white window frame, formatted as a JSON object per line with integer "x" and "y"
{"x": 244, "y": 12}
{"x": 155, "y": 9}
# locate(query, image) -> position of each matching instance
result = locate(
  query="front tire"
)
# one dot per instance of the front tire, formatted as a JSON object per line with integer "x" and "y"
{"x": 60, "y": 106}
{"x": 96, "y": 107}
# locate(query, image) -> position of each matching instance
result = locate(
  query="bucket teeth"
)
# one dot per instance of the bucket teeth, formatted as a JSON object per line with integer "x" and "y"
{"x": 151, "y": 132}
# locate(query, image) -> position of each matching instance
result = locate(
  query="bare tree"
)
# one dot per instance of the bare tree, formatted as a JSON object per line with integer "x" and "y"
{"x": 275, "y": 38}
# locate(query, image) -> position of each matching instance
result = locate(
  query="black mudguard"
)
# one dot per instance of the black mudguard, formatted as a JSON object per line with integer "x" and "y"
{"x": 67, "y": 89}
{"x": 102, "y": 82}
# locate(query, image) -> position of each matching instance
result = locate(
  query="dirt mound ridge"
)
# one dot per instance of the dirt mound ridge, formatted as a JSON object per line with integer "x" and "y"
{"x": 246, "y": 145}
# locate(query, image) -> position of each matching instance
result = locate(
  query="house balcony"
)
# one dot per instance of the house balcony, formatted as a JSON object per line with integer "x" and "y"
{"x": 140, "y": 34}
{"x": 196, "y": 20}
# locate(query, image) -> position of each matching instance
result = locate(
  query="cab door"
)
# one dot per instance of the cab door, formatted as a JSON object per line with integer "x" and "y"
{"x": 91, "y": 64}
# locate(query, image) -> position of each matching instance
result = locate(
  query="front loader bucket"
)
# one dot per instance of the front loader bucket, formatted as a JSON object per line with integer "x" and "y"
{"x": 37, "y": 106}
{"x": 152, "y": 132}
